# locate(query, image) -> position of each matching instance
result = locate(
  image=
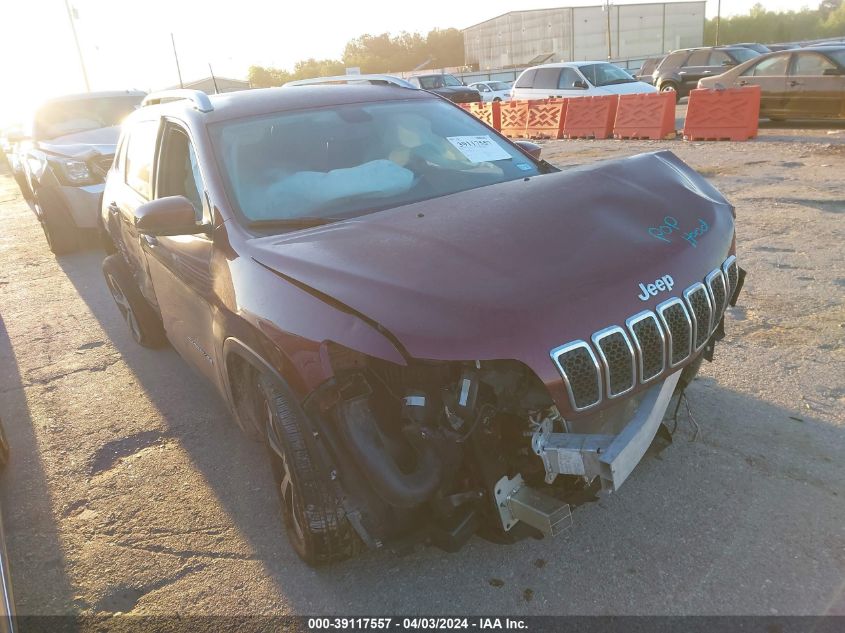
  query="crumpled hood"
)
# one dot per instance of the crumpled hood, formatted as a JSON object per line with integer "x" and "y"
{"x": 515, "y": 269}
{"x": 83, "y": 144}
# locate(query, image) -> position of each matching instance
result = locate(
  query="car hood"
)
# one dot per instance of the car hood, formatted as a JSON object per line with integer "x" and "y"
{"x": 83, "y": 144}
{"x": 512, "y": 270}
{"x": 632, "y": 87}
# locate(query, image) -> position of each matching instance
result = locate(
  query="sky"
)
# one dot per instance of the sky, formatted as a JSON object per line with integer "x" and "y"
{"x": 126, "y": 44}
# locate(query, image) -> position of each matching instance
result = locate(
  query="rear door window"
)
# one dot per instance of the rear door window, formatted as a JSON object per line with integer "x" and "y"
{"x": 718, "y": 58}
{"x": 547, "y": 78}
{"x": 698, "y": 58}
{"x": 811, "y": 65}
{"x": 674, "y": 60}
{"x": 139, "y": 157}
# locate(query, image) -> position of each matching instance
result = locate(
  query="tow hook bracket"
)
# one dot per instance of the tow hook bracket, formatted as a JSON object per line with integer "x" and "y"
{"x": 517, "y": 502}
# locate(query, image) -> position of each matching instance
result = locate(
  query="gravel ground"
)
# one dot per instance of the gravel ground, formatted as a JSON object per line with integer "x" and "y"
{"x": 131, "y": 491}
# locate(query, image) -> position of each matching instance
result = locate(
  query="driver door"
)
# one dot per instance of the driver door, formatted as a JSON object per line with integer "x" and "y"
{"x": 180, "y": 265}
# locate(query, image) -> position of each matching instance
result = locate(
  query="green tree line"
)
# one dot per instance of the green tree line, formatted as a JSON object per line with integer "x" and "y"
{"x": 768, "y": 27}
{"x": 374, "y": 54}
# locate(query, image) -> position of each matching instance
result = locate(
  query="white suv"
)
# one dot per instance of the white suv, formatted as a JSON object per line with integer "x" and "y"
{"x": 576, "y": 79}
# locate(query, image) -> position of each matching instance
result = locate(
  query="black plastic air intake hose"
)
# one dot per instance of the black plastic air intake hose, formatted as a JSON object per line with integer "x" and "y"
{"x": 368, "y": 447}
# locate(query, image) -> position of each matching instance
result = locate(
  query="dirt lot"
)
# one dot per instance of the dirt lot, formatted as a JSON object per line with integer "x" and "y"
{"x": 130, "y": 489}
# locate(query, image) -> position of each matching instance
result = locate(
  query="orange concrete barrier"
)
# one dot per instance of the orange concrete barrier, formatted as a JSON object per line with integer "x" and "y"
{"x": 649, "y": 116}
{"x": 729, "y": 114}
{"x": 545, "y": 119}
{"x": 514, "y": 118}
{"x": 490, "y": 113}
{"x": 590, "y": 117}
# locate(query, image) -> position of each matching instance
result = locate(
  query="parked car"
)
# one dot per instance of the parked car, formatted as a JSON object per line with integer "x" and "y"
{"x": 333, "y": 262}
{"x": 493, "y": 90}
{"x": 65, "y": 155}
{"x": 680, "y": 70}
{"x": 807, "y": 83}
{"x": 576, "y": 79}
{"x": 447, "y": 86}
{"x": 376, "y": 80}
{"x": 647, "y": 69}
{"x": 760, "y": 48}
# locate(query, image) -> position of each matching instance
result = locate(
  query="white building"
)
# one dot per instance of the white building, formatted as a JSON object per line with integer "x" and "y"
{"x": 520, "y": 38}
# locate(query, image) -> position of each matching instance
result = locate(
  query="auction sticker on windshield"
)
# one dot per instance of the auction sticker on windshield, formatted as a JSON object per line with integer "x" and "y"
{"x": 479, "y": 149}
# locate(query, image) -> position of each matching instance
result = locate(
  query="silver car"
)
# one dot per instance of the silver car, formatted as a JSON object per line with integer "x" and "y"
{"x": 64, "y": 156}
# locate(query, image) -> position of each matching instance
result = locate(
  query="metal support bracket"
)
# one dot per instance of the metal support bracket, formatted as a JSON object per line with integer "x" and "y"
{"x": 518, "y": 502}
{"x": 611, "y": 457}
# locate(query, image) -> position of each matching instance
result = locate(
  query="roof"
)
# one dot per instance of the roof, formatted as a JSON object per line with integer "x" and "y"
{"x": 269, "y": 100}
{"x": 352, "y": 79}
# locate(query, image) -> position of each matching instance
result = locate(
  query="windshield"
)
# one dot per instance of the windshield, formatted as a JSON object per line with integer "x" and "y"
{"x": 743, "y": 54}
{"x": 605, "y": 74}
{"x": 499, "y": 85}
{"x": 350, "y": 160}
{"x": 79, "y": 115}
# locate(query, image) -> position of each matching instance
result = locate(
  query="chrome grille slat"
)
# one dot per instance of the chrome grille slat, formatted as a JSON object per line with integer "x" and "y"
{"x": 678, "y": 325}
{"x": 650, "y": 342}
{"x": 580, "y": 370}
{"x": 698, "y": 302}
{"x": 718, "y": 294}
{"x": 731, "y": 271}
{"x": 617, "y": 357}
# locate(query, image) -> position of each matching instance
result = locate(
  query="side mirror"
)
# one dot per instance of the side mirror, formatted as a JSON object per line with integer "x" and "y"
{"x": 728, "y": 62}
{"x": 580, "y": 84}
{"x": 532, "y": 149}
{"x": 833, "y": 72}
{"x": 174, "y": 215}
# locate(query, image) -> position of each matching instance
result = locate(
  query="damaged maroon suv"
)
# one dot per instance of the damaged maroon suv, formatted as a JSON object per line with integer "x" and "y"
{"x": 435, "y": 332}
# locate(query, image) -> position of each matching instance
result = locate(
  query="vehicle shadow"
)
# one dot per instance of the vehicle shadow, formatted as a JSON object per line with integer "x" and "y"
{"x": 26, "y": 502}
{"x": 707, "y": 526}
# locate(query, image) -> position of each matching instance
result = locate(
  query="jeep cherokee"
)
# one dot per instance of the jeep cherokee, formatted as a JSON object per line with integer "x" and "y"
{"x": 435, "y": 333}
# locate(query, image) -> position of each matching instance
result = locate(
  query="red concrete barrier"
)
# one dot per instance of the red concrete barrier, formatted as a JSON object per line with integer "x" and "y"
{"x": 729, "y": 114}
{"x": 645, "y": 116}
{"x": 514, "y": 118}
{"x": 590, "y": 117}
{"x": 490, "y": 113}
{"x": 545, "y": 119}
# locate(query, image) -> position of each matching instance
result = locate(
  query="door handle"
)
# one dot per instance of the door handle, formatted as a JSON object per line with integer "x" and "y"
{"x": 796, "y": 83}
{"x": 149, "y": 239}
{"x": 113, "y": 209}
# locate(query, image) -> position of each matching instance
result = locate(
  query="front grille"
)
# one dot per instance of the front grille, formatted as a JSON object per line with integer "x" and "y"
{"x": 617, "y": 358}
{"x": 649, "y": 340}
{"x": 731, "y": 275}
{"x": 580, "y": 371}
{"x": 652, "y": 341}
{"x": 716, "y": 285}
{"x": 678, "y": 324}
{"x": 698, "y": 301}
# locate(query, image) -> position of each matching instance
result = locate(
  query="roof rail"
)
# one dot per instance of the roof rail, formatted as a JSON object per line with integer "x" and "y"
{"x": 200, "y": 99}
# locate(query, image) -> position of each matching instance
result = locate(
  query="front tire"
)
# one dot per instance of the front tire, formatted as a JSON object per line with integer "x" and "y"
{"x": 670, "y": 86}
{"x": 59, "y": 229}
{"x": 143, "y": 321}
{"x": 315, "y": 522}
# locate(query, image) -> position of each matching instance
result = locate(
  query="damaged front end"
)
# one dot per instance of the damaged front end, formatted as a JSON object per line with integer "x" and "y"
{"x": 443, "y": 450}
